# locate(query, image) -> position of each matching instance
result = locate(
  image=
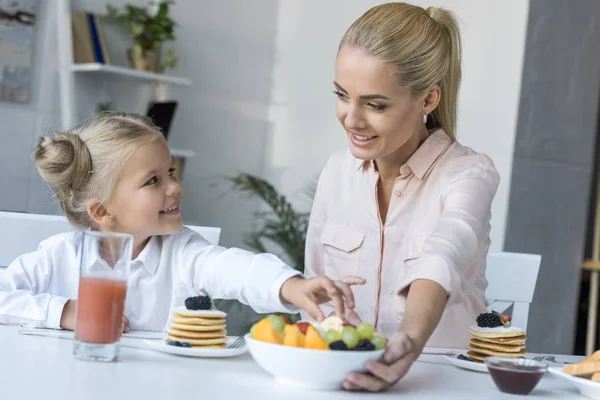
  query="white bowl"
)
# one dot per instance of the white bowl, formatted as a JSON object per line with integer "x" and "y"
{"x": 307, "y": 368}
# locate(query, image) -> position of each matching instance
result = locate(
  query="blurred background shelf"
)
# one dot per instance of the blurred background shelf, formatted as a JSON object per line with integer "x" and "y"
{"x": 132, "y": 73}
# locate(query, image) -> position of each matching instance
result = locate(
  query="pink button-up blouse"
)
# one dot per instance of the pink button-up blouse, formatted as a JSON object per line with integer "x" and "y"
{"x": 437, "y": 228}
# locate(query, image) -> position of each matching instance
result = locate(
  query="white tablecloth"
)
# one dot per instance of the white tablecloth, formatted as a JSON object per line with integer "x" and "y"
{"x": 33, "y": 367}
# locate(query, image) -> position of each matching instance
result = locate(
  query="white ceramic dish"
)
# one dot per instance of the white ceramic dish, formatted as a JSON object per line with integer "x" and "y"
{"x": 585, "y": 386}
{"x": 160, "y": 345}
{"x": 307, "y": 368}
{"x": 452, "y": 357}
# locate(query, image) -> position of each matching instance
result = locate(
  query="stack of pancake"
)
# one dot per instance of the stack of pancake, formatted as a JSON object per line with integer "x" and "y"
{"x": 199, "y": 328}
{"x": 497, "y": 342}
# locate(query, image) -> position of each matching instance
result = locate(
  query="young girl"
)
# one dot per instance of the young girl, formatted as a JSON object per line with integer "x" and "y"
{"x": 114, "y": 173}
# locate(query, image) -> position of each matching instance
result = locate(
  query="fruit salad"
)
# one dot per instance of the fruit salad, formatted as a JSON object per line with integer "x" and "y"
{"x": 331, "y": 334}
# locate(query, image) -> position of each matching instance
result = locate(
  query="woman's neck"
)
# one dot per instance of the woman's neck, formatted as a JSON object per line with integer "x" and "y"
{"x": 389, "y": 166}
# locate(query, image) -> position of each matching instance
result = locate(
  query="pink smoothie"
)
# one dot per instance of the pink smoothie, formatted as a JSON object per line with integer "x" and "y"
{"x": 100, "y": 308}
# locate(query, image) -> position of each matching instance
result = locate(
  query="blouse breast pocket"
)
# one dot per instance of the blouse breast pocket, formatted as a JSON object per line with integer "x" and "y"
{"x": 341, "y": 247}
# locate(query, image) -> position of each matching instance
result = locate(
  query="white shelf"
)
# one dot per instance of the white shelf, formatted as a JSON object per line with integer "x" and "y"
{"x": 182, "y": 153}
{"x": 132, "y": 73}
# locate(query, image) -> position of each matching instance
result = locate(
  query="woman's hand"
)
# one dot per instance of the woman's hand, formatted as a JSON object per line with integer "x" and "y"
{"x": 401, "y": 351}
{"x": 308, "y": 294}
{"x": 424, "y": 307}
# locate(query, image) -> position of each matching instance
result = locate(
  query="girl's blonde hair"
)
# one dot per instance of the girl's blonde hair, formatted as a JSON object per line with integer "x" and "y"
{"x": 84, "y": 163}
{"x": 423, "y": 44}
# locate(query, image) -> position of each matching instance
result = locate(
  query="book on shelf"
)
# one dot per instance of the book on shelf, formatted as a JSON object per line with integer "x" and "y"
{"x": 89, "y": 43}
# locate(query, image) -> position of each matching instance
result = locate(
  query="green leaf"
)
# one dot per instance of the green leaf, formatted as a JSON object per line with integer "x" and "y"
{"x": 137, "y": 50}
{"x": 136, "y": 29}
{"x": 281, "y": 225}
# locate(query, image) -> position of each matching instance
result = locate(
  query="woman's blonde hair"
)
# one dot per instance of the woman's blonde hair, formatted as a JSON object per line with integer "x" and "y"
{"x": 423, "y": 44}
{"x": 84, "y": 163}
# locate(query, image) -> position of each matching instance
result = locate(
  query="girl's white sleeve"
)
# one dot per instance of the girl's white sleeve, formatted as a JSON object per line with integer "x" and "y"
{"x": 23, "y": 292}
{"x": 252, "y": 279}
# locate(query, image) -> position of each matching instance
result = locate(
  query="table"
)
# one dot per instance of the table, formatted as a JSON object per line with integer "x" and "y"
{"x": 33, "y": 367}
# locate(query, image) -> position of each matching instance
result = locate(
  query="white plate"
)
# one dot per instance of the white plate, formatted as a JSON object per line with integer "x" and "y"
{"x": 452, "y": 357}
{"x": 585, "y": 386}
{"x": 160, "y": 345}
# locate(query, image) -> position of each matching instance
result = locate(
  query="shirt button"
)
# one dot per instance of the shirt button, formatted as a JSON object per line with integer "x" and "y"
{"x": 398, "y": 193}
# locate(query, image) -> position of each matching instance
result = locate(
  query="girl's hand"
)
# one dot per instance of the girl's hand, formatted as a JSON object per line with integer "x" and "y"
{"x": 125, "y": 324}
{"x": 67, "y": 319}
{"x": 308, "y": 294}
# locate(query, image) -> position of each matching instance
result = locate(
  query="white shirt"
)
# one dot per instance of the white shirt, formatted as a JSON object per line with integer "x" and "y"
{"x": 35, "y": 287}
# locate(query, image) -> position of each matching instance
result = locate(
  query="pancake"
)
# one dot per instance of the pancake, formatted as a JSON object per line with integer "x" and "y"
{"x": 499, "y": 332}
{"x": 497, "y": 347}
{"x": 489, "y": 352}
{"x": 517, "y": 340}
{"x": 475, "y": 356}
{"x": 198, "y": 321}
{"x": 214, "y": 346}
{"x": 182, "y": 312}
{"x": 197, "y": 328}
{"x": 197, "y": 335}
{"x": 200, "y": 342}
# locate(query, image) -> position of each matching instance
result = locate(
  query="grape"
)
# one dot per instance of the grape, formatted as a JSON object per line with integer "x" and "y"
{"x": 332, "y": 336}
{"x": 378, "y": 341}
{"x": 350, "y": 337}
{"x": 277, "y": 323}
{"x": 252, "y": 330}
{"x": 365, "y": 330}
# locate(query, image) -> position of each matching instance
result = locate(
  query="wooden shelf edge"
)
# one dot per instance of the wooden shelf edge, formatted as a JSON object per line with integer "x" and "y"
{"x": 129, "y": 72}
{"x": 182, "y": 153}
{"x": 593, "y": 265}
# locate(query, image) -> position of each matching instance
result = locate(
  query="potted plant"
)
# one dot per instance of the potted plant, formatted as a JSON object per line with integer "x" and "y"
{"x": 281, "y": 226}
{"x": 149, "y": 27}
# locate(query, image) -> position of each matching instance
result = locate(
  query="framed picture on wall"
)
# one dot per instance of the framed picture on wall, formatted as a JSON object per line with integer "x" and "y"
{"x": 17, "y": 34}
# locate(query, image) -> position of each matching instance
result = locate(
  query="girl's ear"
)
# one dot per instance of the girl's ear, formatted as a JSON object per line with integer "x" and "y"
{"x": 99, "y": 214}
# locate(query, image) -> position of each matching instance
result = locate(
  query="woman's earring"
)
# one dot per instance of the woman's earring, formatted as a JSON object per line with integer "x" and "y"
{"x": 111, "y": 220}
{"x": 425, "y": 119}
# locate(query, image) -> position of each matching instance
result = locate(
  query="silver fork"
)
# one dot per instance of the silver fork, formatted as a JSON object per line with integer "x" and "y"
{"x": 551, "y": 359}
{"x": 239, "y": 343}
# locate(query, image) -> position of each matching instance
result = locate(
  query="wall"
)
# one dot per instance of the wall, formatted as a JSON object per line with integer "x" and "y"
{"x": 305, "y": 130}
{"x": 226, "y": 48}
{"x": 262, "y": 79}
{"x": 22, "y": 124}
{"x": 553, "y": 161}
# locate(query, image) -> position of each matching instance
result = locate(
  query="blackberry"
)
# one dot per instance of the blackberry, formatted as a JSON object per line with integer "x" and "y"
{"x": 364, "y": 345}
{"x": 338, "y": 345}
{"x": 198, "y": 303}
{"x": 185, "y": 344}
{"x": 464, "y": 358}
{"x": 174, "y": 343}
{"x": 489, "y": 320}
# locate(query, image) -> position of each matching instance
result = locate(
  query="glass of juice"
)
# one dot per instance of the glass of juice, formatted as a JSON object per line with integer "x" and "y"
{"x": 104, "y": 265}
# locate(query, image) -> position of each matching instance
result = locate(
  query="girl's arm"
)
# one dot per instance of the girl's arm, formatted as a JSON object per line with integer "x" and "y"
{"x": 22, "y": 292}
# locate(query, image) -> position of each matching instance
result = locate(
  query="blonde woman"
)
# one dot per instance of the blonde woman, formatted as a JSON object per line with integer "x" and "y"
{"x": 114, "y": 173}
{"x": 406, "y": 207}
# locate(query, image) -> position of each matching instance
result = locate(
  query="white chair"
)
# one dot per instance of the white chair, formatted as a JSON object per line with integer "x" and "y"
{"x": 511, "y": 282}
{"x": 22, "y": 233}
{"x": 211, "y": 234}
